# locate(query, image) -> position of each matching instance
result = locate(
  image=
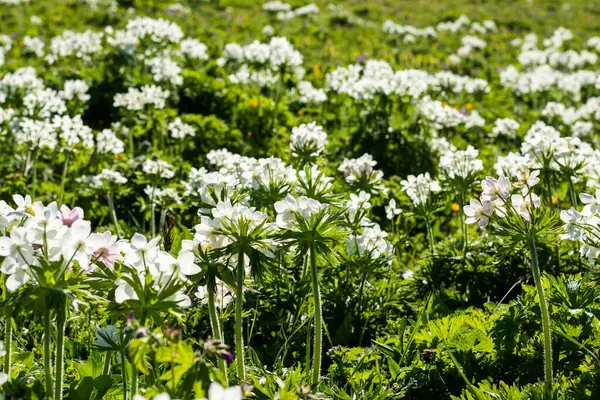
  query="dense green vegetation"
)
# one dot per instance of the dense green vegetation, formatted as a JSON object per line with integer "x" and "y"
{"x": 375, "y": 200}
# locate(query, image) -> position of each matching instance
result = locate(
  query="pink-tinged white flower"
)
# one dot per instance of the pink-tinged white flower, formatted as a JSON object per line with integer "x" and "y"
{"x": 479, "y": 211}
{"x": 69, "y": 216}
{"x": 107, "y": 249}
{"x": 494, "y": 189}
{"x": 525, "y": 205}
{"x": 527, "y": 180}
{"x": 592, "y": 203}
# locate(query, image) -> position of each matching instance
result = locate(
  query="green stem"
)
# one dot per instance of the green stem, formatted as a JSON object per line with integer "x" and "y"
{"x": 124, "y": 374}
{"x": 8, "y": 343}
{"x": 134, "y": 381}
{"x": 47, "y": 355}
{"x": 59, "y": 365}
{"x": 463, "y": 224}
{"x": 63, "y": 179}
{"x": 161, "y": 221}
{"x": 458, "y": 368}
{"x": 548, "y": 186}
{"x": 360, "y": 297}
{"x": 34, "y": 175}
{"x": 316, "y": 368}
{"x": 152, "y": 212}
{"x": 429, "y": 233}
{"x": 239, "y": 305}
{"x": 106, "y": 366}
{"x": 216, "y": 327}
{"x": 544, "y": 311}
{"x": 113, "y": 214}
{"x": 572, "y": 192}
{"x": 308, "y": 346}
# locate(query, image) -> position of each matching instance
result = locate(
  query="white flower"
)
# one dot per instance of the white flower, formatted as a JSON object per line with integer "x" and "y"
{"x": 108, "y": 142}
{"x": 165, "y": 70}
{"x": 525, "y": 205}
{"x": 526, "y": 180}
{"x": 75, "y": 89}
{"x": 494, "y": 189}
{"x": 288, "y": 209}
{"x": 308, "y": 140}
{"x": 158, "y": 168}
{"x": 136, "y": 99}
{"x": 179, "y": 130}
{"x": 218, "y": 392}
{"x": 573, "y": 221}
{"x": 505, "y": 127}
{"x": 592, "y": 203}
{"x": 193, "y": 48}
{"x": 478, "y": 211}
{"x": 391, "y": 210}
{"x": 106, "y": 178}
{"x": 461, "y": 163}
{"x": 419, "y": 188}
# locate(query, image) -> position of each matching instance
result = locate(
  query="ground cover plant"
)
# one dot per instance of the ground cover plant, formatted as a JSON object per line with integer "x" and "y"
{"x": 289, "y": 200}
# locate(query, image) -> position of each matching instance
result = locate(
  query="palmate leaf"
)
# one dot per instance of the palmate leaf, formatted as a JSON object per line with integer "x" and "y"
{"x": 180, "y": 357}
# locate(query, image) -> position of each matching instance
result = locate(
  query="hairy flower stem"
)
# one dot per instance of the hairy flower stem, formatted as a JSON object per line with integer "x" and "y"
{"x": 124, "y": 374}
{"x": 134, "y": 381}
{"x": 359, "y": 302}
{"x": 34, "y": 175}
{"x": 113, "y": 214}
{"x": 8, "y": 343}
{"x": 544, "y": 311}
{"x": 572, "y": 192}
{"x": 152, "y": 212}
{"x": 548, "y": 187}
{"x": 216, "y": 327}
{"x": 106, "y": 366}
{"x": 59, "y": 365}
{"x": 47, "y": 354}
{"x": 239, "y": 305}
{"x": 316, "y": 367}
{"x": 463, "y": 224}
{"x": 134, "y": 371}
{"x": 429, "y": 233}
{"x": 63, "y": 179}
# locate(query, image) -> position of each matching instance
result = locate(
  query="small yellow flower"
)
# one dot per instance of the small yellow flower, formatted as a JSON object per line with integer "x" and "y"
{"x": 444, "y": 104}
{"x": 554, "y": 199}
{"x": 469, "y": 106}
{"x": 254, "y": 103}
{"x": 317, "y": 70}
{"x": 455, "y": 207}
